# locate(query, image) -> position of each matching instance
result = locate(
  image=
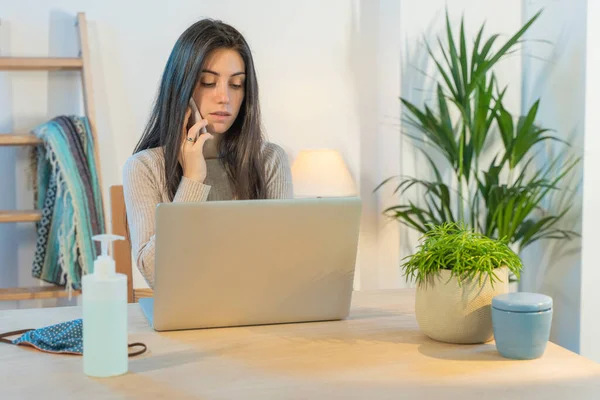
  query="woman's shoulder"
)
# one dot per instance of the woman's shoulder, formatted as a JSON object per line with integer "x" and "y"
{"x": 278, "y": 173}
{"x": 144, "y": 162}
{"x": 273, "y": 154}
{"x": 276, "y": 162}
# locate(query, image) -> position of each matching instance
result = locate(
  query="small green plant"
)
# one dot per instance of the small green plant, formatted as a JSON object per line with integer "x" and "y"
{"x": 467, "y": 254}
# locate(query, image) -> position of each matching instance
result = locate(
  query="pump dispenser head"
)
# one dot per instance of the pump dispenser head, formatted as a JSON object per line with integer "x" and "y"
{"x": 104, "y": 265}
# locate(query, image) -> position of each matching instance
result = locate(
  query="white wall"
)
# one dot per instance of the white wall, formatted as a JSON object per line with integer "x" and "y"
{"x": 590, "y": 273}
{"x": 554, "y": 71}
{"x": 307, "y": 74}
{"x": 375, "y": 57}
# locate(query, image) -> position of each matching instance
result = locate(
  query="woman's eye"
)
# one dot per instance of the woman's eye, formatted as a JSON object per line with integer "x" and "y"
{"x": 213, "y": 84}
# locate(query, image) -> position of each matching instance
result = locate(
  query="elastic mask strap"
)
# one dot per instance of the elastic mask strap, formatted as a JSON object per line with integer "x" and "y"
{"x": 137, "y": 353}
{"x": 3, "y": 336}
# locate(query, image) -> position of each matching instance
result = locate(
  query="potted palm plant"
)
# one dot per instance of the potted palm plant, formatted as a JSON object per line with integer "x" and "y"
{"x": 458, "y": 272}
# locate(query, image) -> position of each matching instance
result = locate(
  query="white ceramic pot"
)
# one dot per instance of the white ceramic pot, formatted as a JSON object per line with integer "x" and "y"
{"x": 450, "y": 313}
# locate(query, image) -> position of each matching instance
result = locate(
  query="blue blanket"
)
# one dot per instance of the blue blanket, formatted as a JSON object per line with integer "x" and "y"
{"x": 69, "y": 196}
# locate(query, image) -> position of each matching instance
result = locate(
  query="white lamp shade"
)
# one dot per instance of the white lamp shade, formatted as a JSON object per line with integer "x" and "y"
{"x": 321, "y": 173}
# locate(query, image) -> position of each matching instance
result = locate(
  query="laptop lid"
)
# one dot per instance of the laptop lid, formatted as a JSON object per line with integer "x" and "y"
{"x": 232, "y": 263}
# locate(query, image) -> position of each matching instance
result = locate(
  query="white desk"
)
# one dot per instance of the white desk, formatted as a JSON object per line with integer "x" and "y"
{"x": 377, "y": 353}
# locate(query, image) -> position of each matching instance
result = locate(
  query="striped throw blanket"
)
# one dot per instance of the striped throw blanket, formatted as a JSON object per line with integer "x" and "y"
{"x": 69, "y": 196}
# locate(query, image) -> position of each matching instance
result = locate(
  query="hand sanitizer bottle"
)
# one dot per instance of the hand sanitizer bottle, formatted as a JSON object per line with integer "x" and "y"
{"x": 104, "y": 293}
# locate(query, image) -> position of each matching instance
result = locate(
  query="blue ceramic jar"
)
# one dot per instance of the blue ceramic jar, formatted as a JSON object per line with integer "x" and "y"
{"x": 521, "y": 323}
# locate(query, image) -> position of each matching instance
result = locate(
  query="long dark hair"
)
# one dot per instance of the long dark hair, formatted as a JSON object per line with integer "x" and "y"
{"x": 240, "y": 147}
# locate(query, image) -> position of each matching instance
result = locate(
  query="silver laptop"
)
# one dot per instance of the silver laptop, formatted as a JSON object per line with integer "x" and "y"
{"x": 253, "y": 262}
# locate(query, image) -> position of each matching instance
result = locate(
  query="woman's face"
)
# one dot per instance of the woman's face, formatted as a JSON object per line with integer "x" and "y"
{"x": 220, "y": 90}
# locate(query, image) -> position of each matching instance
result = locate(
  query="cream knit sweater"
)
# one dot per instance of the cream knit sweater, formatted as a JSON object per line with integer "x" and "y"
{"x": 144, "y": 188}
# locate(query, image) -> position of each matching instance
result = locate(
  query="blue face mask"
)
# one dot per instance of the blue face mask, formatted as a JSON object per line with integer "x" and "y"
{"x": 63, "y": 338}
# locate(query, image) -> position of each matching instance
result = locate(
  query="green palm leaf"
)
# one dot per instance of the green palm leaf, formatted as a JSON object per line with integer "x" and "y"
{"x": 506, "y": 198}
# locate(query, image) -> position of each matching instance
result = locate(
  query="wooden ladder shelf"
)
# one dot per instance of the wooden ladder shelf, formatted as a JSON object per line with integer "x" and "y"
{"x": 81, "y": 63}
{"x": 40, "y": 64}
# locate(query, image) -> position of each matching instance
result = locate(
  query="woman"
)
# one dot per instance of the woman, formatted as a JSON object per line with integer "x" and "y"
{"x": 175, "y": 161}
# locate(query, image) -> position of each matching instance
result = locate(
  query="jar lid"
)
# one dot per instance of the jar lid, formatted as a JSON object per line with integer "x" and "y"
{"x": 522, "y": 302}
